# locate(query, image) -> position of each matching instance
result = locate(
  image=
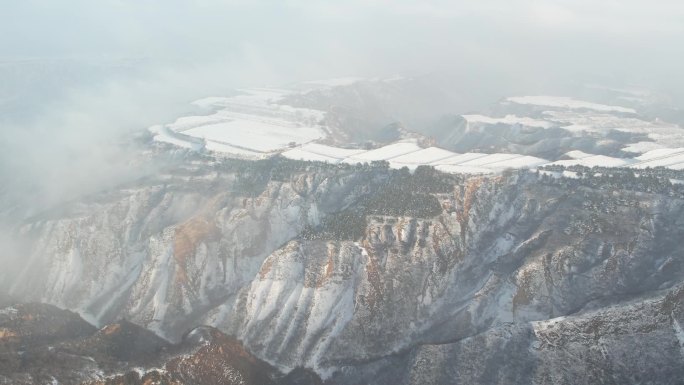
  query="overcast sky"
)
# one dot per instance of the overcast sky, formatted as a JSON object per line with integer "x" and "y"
{"x": 297, "y": 38}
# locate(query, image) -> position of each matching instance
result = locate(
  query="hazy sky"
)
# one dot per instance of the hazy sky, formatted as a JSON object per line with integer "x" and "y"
{"x": 297, "y": 38}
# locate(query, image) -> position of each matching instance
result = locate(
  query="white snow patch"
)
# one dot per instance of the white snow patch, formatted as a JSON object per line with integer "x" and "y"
{"x": 679, "y": 333}
{"x": 223, "y": 148}
{"x": 557, "y": 175}
{"x": 334, "y": 152}
{"x": 566, "y": 102}
{"x": 425, "y": 156}
{"x": 189, "y": 122}
{"x": 525, "y": 161}
{"x": 211, "y": 102}
{"x": 660, "y": 153}
{"x": 174, "y": 141}
{"x": 508, "y": 119}
{"x": 576, "y": 154}
{"x": 547, "y": 323}
{"x": 321, "y": 153}
{"x": 498, "y": 161}
{"x": 384, "y": 153}
{"x": 300, "y": 154}
{"x": 165, "y": 135}
{"x": 335, "y": 82}
{"x": 642, "y": 147}
{"x": 489, "y": 158}
{"x": 9, "y": 311}
{"x": 458, "y": 159}
{"x": 255, "y": 135}
{"x": 672, "y": 158}
{"x": 409, "y": 154}
{"x": 595, "y": 160}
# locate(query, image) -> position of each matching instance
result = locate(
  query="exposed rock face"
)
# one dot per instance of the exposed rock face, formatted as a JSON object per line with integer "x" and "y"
{"x": 502, "y": 251}
{"x": 309, "y": 268}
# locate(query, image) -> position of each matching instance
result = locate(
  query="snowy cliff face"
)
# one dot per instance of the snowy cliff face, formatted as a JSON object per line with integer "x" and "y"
{"x": 406, "y": 289}
{"x": 624, "y": 344}
{"x": 164, "y": 252}
{"x": 504, "y": 250}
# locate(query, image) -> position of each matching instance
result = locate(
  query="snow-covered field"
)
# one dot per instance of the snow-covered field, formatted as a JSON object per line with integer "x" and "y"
{"x": 428, "y": 155}
{"x": 595, "y": 160}
{"x": 256, "y": 124}
{"x": 252, "y": 125}
{"x": 388, "y": 152}
{"x": 409, "y": 154}
{"x": 642, "y": 147}
{"x": 567, "y": 103}
{"x": 672, "y": 158}
{"x": 255, "y": 135}
{"x": 163, "y": 134}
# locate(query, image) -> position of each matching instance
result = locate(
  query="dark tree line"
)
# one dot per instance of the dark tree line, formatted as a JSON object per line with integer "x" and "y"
{"x": 650, "y": 180}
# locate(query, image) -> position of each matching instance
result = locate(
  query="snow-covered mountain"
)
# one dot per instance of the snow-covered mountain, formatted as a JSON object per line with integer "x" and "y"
{"x": 339, "y": 269}
{"x": 399, "y": 259}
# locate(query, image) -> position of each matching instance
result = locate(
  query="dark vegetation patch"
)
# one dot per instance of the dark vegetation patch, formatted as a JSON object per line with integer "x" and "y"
{"x": 401, "y": 194}
{"x": 657, "y": 180}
